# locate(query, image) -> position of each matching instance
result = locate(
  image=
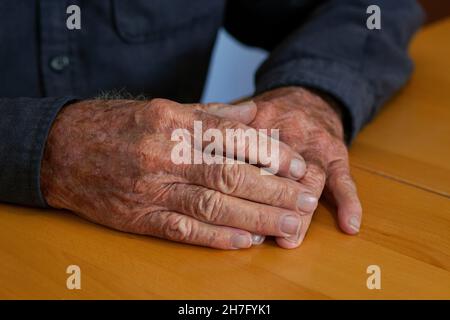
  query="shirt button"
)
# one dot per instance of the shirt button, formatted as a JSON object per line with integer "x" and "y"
{"x": 59, "y": 63}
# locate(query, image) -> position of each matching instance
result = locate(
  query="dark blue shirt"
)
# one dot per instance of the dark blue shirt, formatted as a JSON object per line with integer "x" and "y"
{"x": 161, "y": 48}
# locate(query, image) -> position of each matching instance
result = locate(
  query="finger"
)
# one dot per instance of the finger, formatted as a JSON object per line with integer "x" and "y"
{"x": 245, "y": 181}
{"x": 242, "y": 142}
{"x": 314, "y": 180}
{"x": 167, "y": 117}
{"x": 294, "y": 242}
{"x": 180, "y": 228}
{"x": 244, "y": 112}
{"x": 217, "y": 208}
{"x": 343, "y": 189}
{"x": 239, "y": 180}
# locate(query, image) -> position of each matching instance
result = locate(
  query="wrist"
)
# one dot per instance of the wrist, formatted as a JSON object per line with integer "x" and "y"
{"x": 338, "y": 108}
{"x": 329, "y": 100}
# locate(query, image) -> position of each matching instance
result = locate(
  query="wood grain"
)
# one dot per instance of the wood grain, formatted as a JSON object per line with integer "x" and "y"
{"x": 409, "y": 240}
{"x": 410, "y": 138}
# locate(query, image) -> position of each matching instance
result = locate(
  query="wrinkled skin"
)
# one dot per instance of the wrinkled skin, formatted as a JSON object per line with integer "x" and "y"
{"x": 109, "y": 162}
{"x": 310, "y": 123}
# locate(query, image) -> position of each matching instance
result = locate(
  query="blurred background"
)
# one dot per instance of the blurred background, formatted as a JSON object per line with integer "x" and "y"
{"x": 231, "y": 70}
{"x": 233, "y": 65}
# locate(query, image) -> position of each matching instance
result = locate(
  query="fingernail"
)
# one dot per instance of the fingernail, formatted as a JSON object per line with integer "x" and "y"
{"x": 245, "y": 107}
{"x": 218, "y": 110}
{"x": 307, "y": 203}
{"x": 297, "y": 168}
{"x": 354, "y": 223}
{"x": 247, "y": 104}
{"x": 257, "y": 239}
{"x": 239, "y": 241}
{"x": 290, "y": 225}
{"x": 293, "y": 238}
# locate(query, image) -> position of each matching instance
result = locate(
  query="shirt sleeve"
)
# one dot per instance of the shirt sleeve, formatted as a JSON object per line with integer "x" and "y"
{"x": 24, "y": 127}
{"x": 332, "y": 49}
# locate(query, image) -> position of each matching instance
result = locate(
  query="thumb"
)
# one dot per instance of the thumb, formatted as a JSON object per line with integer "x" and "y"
{"x": 243, "y": 112}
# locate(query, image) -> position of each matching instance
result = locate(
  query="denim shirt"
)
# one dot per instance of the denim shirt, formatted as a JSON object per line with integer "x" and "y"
{"x": 162, "y": 48}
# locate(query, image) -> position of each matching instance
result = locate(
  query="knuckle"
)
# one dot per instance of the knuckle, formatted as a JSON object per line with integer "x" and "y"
{"x": 315, "y": 179}
{"x": 347, "y": 181}
{"x": 338, "y": 166}
{"x": 229, "y": 178}
{"x": 209, "y": 206}
{"x": 159, "y": 104}
{"x": 282, "y": 193}
{"x": 178, "y": 228}
{"x": 290, "y": 192}
{"x": 262, "y": 222}
{"x": 208, "y": 120}
{"x": 233, "y": 130}
{"x": 212, "y": 237}
{"x": 160, "y": 109}
{"x": 228, "y": 124}
{"x": 340, "y": 172}
{"x": 319, "y": 180}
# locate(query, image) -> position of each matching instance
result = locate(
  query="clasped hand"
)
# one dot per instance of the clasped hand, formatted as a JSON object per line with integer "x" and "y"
{"x": 109, "y": 161}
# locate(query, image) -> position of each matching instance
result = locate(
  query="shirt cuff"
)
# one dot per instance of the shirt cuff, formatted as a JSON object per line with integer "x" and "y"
{"x": 25, "y": 126}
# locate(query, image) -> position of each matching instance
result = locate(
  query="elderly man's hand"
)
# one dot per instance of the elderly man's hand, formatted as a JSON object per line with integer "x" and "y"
{"x": 110, "y": 162}
{"x": 312, "y": 126}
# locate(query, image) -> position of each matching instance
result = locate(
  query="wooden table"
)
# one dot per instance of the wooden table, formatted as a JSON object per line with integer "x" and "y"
{"x": 401, "y": 163}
